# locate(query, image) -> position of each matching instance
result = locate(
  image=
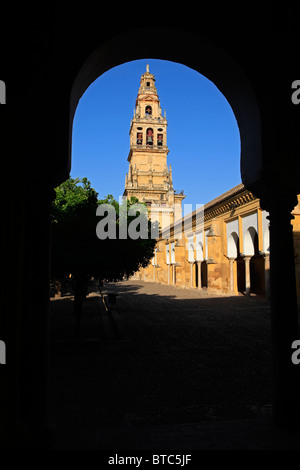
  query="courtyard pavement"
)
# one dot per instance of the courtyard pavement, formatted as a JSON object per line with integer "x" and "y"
{"x": 162, "y": 368}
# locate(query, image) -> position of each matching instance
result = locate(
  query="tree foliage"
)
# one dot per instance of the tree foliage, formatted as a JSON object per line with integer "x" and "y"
{"x": 77, "y": 250}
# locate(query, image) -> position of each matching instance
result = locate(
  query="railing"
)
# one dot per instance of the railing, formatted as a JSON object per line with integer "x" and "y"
{"x": 147, "y": 147}
{"x": 150, "y": 118}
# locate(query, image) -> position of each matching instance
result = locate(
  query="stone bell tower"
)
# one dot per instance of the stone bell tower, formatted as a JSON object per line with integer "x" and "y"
{"x": 149, "y": 177}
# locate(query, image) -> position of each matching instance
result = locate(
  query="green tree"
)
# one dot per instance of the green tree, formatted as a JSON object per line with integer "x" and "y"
{"x": 77, "y": 250}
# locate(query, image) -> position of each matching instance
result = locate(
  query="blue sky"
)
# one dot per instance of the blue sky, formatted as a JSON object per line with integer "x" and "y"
{"x": 203, "y": 136}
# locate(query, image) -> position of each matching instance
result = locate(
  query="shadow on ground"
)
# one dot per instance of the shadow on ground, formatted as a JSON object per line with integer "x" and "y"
{"x": 180, "y": 356}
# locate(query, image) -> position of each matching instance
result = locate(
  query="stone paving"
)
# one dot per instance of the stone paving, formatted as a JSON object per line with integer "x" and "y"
{"x": 164, "y": 368}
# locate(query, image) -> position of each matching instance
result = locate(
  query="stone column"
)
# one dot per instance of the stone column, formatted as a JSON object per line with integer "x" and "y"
{"x": 247, "y": 274}
{"x": 199, "y": 274}
{"x": 286, "y": 409}
{"x": 267, "y": 275}
{"x": 173, "y": 275}
{"x": 191, "y": 273}
{"x": 231, "y": 278}
{"x": 169, "y": 276}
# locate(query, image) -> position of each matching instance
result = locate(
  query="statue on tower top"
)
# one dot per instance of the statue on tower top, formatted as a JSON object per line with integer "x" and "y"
{"x": 147, "y": 68}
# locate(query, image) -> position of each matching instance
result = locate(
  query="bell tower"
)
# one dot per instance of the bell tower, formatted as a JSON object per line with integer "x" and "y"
{"x": 149, "y": 177}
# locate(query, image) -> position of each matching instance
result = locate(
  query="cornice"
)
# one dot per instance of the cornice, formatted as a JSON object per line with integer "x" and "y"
{"x": 226, "y": 203}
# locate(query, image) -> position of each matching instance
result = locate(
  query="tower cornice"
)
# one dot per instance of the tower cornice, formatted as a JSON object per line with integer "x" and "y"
{"x": 146, "y": 97}
{"x": 150, "y": 150}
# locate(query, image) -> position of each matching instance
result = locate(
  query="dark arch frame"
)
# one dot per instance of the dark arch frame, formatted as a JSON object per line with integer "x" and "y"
{"x": 209, "y": 60}
{"x": 56, "y": 61}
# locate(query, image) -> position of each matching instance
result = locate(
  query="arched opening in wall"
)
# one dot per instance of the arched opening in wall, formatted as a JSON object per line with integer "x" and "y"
{"x": 257, "y": 267}
{"x": 240, "y": 271}
{"x": 204, "y": 278}
{"x": 143, "y": 316}
{"x": 196, "y": 271}
{"x": 233, "y": 246}
{"x": 257, "y": 275}
{"x": 238, "y": 267}
{"x": 149, "y": 136}
{"x": 257, "y": 262}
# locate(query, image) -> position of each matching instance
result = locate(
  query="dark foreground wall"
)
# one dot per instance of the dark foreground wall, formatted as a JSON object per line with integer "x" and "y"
{"x": 250, "y": 54}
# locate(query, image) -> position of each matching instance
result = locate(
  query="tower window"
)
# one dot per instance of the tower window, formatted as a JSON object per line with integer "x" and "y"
{"x": 148, "y": 110}
{"x": 139, "y": 138}
{"x": 159, "y": 139}
{"x": 148, "y": 84}
{"x": 149, "y": 136}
